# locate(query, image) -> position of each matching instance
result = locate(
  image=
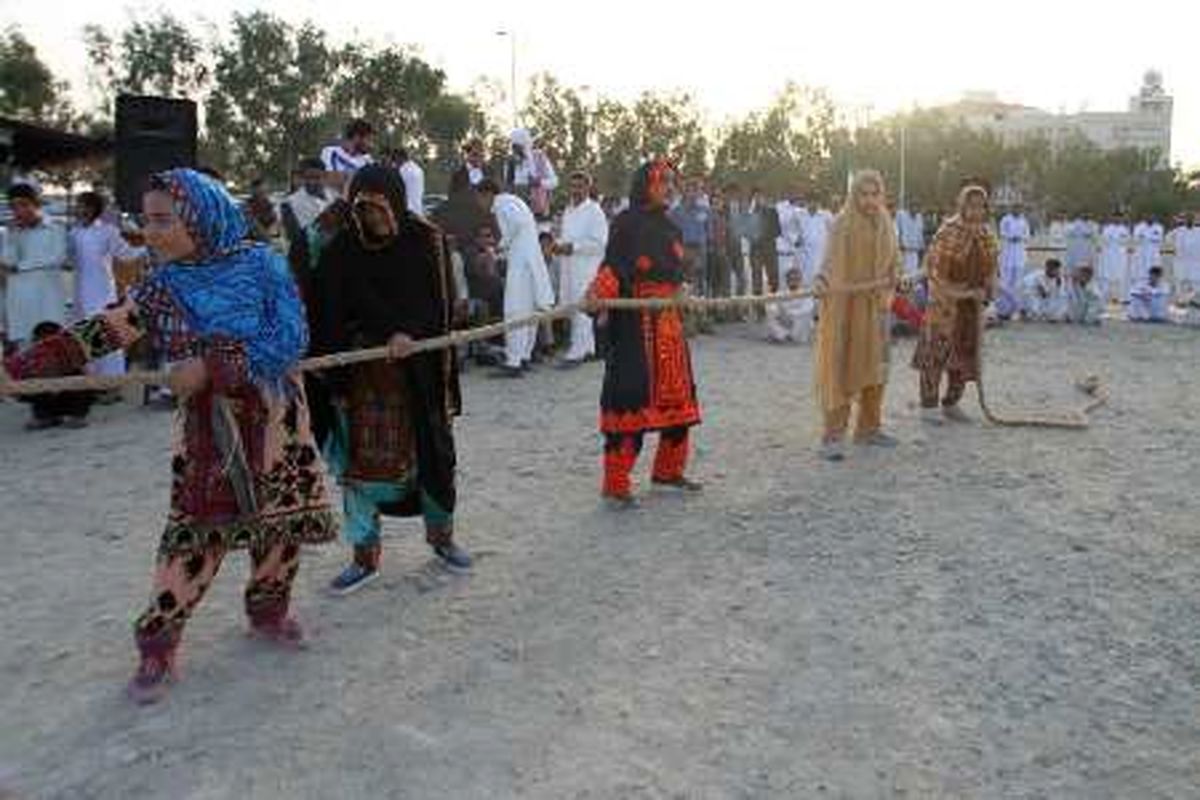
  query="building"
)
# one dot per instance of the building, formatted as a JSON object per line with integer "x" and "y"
{"x": 1145, "y": 126}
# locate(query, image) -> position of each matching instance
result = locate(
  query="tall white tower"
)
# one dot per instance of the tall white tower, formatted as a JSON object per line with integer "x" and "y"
{"x": 1154, "y": 107}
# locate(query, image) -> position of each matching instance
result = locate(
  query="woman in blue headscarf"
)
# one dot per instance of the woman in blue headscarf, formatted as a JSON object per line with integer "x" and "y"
{"x": 245, "y": 470}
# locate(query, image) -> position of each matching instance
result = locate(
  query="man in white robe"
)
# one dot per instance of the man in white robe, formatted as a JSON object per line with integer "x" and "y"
{"x": 302, "y": 207}
{"x": 1045, "y": 295}
{"x": 1014, "y": 237}
{"x": 1149, "y": 299}
{"x": 352, "y": 153}
{"x": 1056, "y": 233}
{"x": 1186, "y": 242}
{"x": 789, "y": 245}
{"x": 1113, "y": 267}
{"x": 414, "y": 182}
{"x": 580, "y": 249}
{"x": 910, "y": 231}
{"x": 815, "y": 237}
{"x": 1147, "y": 253}
{"x": 527, "y": 285}
{"x": 94, "y": 246}
{"x": 35, "y": 252}
{"x": 531, "y": 175}
{"x": 1081, "y": 243}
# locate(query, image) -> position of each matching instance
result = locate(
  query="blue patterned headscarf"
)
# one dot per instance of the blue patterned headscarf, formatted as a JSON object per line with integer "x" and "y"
{"x": 232, "y": 288}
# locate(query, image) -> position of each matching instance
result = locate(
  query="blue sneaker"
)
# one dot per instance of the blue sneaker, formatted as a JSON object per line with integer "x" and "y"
{"x": 454, "y": 557}
{"x": 353, "y": 578}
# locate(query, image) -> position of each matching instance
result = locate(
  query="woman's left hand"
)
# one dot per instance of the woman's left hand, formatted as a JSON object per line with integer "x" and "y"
{"x": 188, "y": 378}
{"x": 400, "y": 346}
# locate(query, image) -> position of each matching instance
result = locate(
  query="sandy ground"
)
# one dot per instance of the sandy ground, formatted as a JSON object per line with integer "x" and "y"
{"x": 981, "y": 613}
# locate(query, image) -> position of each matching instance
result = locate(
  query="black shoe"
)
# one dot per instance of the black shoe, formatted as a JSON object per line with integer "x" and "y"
{"x": 454, "y": 557}
{"x": 505, "y": 371}
{"x": 619, "y": 502}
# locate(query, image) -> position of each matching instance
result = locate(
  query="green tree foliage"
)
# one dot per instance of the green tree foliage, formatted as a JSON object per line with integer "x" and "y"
{"x": 270, "y": 102}
{"x": 158, "y": 56}
{"x": 789, "y": 147}
{"x": 273, "y": 91}
{"x": 28, "y": 88}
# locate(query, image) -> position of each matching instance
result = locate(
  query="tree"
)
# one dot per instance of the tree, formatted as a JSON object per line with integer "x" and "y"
{"x": 793, "y": 143}
{"x": 393, "y": 89}
{"x": 448, "y": 121}
{"x": 28, "y": 88}
{"x": 618, "y": 146}
{"x": 158, "y": 56}
{"x": 670, "y": 125}
{"x": 560, "y": 119}
{"x": 269, "y": 104}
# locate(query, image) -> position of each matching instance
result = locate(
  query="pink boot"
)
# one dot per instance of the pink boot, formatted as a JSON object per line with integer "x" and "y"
{"x": 286, "y": 633}
{"x": 156, "y": 671}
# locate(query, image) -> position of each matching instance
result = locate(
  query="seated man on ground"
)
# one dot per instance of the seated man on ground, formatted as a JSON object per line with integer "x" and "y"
{"x": 1044, "y": 294}
{"x": 68, "y": 409}
{"x": 1085, "y": 304}
{"x": 1188, "y": 304}
{"x": 791, "y": 320}
{"x": 1149, "y": 298}
{"x": 548, "y": 332}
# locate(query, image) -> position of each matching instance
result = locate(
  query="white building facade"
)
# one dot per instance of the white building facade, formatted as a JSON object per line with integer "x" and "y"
{"x": 1145, "y": 126}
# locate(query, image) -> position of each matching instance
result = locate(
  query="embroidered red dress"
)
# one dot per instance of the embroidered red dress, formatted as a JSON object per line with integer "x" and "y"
{"x": 648, "y": 380}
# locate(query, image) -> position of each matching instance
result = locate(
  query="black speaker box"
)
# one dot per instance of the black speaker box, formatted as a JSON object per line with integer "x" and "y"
{"x": 153, "y": 134}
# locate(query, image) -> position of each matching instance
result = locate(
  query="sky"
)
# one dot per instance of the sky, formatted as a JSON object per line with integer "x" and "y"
{"x": 734, "y": 56}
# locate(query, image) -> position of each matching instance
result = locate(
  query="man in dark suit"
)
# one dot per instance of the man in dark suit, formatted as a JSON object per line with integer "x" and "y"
{"x": 473, "y": 171}
{"x": 762, "y": 229}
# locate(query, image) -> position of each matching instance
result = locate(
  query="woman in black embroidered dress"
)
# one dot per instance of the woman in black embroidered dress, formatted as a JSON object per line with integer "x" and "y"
{"x": 648, "y": 380}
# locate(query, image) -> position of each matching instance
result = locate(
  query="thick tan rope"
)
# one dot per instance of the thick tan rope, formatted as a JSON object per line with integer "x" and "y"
{"x": 1071, "y": 420}
{"x": 81, "y": 383}
{"x": 1077, "y": 419}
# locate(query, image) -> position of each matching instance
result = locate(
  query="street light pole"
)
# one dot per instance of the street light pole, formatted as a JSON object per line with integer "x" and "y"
{"x": 512, "y": 40}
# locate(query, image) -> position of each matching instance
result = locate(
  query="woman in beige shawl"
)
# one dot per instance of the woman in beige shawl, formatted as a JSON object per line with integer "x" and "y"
{"x": 860, "y": 272}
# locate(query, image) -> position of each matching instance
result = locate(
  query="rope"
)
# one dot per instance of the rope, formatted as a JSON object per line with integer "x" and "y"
{"x": 93, "y": 383}
{"x": 78, "y": 383}
{"x": 1070, "y": 420}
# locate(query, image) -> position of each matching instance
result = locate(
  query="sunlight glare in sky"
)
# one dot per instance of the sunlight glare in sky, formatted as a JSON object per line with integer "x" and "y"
{"x": 733, "y": 57}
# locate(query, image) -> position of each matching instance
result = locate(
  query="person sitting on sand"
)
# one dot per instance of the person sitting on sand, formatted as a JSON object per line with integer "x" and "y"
{"x": 791, "y": 320}
{"x": 1085, "y": 304}
{"x": 68, "y": 409}
{"x": 1148, "y": 300}
{"x": 1044, "y": 294}
{"x": 1188, "y": 303}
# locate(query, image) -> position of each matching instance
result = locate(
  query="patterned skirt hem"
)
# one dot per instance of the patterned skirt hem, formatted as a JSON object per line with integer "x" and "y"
{"x": 649, "y": 419}
{"x": 937, "y": 352}
{"x": 313, "y": 526}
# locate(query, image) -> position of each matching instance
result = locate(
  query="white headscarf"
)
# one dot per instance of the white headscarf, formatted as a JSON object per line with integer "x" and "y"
{"x": 523, "y": 137}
